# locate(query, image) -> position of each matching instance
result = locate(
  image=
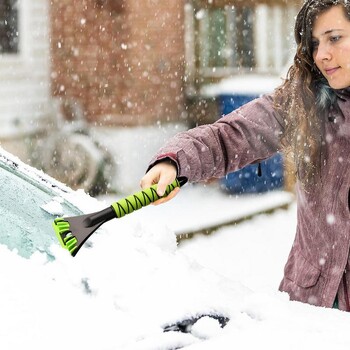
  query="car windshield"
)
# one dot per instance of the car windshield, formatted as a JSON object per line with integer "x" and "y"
{"x": 26, "y": 226}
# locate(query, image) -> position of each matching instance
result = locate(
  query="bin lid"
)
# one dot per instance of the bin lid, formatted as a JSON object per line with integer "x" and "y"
{"x": 248, "y": 85}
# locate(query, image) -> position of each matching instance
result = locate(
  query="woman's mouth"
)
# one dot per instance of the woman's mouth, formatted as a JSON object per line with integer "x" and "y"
{"x": 331, "y": 71}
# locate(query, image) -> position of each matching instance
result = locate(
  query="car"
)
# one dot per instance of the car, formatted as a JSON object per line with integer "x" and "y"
{"x": 116, "y": 274}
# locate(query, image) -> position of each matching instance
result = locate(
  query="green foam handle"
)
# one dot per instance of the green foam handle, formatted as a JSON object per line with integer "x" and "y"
{"x": 141, "y": 199}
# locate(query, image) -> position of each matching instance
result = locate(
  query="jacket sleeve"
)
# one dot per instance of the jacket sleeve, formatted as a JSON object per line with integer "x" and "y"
{"x": 245, "y": 136}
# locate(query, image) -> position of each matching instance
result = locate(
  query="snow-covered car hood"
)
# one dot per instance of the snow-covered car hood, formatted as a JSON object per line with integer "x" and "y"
{"x": 119, "y": 292}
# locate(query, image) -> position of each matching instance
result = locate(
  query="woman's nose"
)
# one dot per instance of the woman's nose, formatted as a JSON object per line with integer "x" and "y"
{"x": 323, "y": 53}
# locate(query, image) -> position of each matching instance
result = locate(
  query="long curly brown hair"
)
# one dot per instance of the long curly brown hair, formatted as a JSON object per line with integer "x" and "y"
{"x": 305, "y": 99}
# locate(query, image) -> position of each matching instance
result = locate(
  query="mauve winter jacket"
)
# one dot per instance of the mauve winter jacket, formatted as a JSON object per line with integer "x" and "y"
{"x": 318, "y": 267}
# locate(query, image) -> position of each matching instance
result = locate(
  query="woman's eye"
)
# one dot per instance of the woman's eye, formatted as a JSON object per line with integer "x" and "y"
{"x": 314, "y": 45}
{"x": 334, "y": 38}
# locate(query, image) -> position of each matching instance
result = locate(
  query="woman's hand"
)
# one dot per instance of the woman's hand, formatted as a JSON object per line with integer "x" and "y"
{"x": 162, "y": 174}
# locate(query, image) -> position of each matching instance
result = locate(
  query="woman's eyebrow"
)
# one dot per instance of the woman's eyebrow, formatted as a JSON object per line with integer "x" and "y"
{"x": 328, "y": 32}
{"x": 332, "y": 30}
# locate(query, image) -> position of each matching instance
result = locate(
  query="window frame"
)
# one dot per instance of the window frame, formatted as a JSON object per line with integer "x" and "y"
{"x": 279, "y": 13}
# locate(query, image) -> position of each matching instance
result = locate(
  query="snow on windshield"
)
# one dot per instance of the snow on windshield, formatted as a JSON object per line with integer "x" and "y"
{"x": 135, "y": 279}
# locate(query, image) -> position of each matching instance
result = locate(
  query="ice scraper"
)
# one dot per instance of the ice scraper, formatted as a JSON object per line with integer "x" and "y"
{"x": 72, "y": 232}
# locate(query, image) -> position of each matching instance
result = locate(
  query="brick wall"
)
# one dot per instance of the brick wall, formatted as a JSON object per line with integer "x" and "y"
{"x": 123, "y": 60}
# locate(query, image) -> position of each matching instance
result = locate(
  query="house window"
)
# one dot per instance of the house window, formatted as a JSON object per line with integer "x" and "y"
{"x": 8, "y": 26}
{"x": 227, "y": 39}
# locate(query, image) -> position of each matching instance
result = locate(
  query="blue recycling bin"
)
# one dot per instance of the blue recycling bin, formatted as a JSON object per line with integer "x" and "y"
{"x": 250, "y": 179}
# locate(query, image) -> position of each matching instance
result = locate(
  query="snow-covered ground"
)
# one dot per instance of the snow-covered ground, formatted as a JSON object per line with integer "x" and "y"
{"x": 134, "y": 280}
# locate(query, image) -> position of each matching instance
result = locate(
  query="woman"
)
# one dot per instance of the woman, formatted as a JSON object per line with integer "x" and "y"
{"x": 308, "y": 117}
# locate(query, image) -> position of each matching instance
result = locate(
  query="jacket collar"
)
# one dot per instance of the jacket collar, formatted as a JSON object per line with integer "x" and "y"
{"x": 344, "y": 94}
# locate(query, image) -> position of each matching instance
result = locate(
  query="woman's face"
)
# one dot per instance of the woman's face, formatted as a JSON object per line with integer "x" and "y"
{"x": 331, "y": 46}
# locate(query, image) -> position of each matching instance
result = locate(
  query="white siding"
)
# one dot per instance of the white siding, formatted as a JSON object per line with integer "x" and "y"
{"x": 274, "y": 37}
{"x": 24, "y": 78}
